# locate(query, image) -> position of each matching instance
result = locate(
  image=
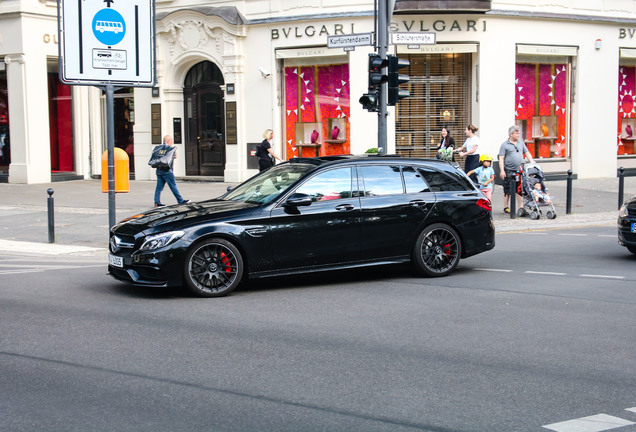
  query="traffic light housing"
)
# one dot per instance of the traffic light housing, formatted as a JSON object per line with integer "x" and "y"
{"x": 370, "y": 100}
{"x": 395, "y": 79}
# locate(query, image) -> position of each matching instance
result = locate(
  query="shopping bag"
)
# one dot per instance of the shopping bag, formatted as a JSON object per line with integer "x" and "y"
{"x": 162, "y": 156}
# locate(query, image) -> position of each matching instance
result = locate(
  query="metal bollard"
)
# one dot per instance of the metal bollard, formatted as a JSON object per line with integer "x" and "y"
{"x": 49, "y": 204}
{"x": 568, "y": 194}
{"x": 621, "y": 186}
{"x": 513, "y": 196}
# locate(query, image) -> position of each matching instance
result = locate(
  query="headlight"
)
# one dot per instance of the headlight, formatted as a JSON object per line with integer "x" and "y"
{"x": 623, "y": 211}
{"x": 161, "y": 240}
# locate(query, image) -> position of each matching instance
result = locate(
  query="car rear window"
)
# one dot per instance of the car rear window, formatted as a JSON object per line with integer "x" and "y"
{"x": 445, "y": 181}
{"x": 381, "y": 180}
{"x": 413, "y": 180}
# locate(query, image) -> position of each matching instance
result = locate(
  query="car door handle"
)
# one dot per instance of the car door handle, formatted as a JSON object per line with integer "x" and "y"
{"x": 417, "y": 203}
{"x": 344, "y": 207}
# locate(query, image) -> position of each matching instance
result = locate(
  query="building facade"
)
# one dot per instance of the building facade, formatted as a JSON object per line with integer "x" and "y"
{"x": 564, "y": 71}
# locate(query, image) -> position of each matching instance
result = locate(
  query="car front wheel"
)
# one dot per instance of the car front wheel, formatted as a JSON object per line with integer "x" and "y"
{"x": 213, "y": 268}
{"x": 437, "y": 250}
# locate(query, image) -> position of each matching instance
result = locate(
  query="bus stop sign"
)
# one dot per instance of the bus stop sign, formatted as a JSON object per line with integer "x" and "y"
{"x": 107, "y": 42}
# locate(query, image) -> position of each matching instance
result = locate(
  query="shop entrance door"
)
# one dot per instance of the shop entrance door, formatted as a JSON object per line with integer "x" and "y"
{"x": 205, "y": 121}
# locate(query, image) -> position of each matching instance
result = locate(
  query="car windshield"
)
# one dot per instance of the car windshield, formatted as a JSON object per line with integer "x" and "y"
{"x": 269, "y": 184}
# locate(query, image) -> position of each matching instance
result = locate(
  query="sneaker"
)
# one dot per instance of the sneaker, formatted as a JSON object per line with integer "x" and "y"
{"x": 507, "y": 210}
{"x": 159, "y": 205}
{"x": 184, "y": 202}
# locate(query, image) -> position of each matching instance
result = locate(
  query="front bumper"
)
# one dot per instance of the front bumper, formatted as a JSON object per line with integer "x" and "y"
{"x": 158, "y": 268}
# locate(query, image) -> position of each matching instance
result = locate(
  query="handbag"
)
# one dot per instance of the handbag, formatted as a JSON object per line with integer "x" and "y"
{"x": 162, "y": 157}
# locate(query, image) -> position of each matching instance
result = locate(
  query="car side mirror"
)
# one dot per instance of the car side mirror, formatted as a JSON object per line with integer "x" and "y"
{"x": 298, "y": 200}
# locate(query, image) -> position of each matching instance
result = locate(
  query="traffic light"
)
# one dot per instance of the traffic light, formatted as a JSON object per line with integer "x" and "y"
{"x": 395, "y": 79}
{"x": 371, "y": 99}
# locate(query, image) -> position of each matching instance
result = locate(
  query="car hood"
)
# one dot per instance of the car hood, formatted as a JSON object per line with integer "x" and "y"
{"x": 181, "y": 215}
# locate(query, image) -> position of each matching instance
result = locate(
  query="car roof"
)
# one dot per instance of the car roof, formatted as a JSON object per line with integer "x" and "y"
{"x": 380, "y": 159}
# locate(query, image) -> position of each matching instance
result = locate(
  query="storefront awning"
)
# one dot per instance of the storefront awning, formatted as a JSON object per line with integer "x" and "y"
{"x": 547, "y": 50}
{"x": 441, "y": 48}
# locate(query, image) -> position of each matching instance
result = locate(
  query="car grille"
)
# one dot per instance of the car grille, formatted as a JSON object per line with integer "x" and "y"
{"x": 118, "y": 243}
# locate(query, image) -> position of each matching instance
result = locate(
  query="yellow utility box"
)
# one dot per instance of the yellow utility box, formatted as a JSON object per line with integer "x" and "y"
{"x": 122, "y": 175}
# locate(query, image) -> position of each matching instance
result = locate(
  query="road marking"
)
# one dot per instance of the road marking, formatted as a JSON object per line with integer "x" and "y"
{"x": 533, "y": 233}
{"x": 574, "y": 235}
{"x": 494, "y": 270}
{"x": 602, "y": 276}
{"x": 32, "y": 270}
{"x": 545, "y": 273}
{"x": 595, "y": 423}
{"x": 607, "y": 235}
{"x": 631, "y": 409}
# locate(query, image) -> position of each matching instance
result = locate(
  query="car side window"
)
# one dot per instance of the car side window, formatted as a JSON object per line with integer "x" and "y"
{"x": 328, "y": 185}
{"x": 413, "y": 180}
{"x": 441, "y": 181}
{"x": 381, "y": 180}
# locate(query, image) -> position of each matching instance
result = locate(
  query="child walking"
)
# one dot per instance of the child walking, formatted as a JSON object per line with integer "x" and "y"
{"x": 485, "y": 175}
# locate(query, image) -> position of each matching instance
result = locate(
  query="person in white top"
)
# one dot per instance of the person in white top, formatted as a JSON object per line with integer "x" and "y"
{"x": 469, "y": 149}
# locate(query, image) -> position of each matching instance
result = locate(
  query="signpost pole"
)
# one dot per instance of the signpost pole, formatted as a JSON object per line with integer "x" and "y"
{"x": 382, "y": 38}
{"x": 110, "y": 143}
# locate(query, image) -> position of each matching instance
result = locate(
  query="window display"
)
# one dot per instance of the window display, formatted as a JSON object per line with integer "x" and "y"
{"x": 317, "y": 110}
{"x": 5, "y": 147}
{"x": 626, "y": 111}
{"x": 542, "y": 108}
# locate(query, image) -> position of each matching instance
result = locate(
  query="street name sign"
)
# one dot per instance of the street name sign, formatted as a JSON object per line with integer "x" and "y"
{"x": 415, "y": 38}
{"x": 107, "y": 42}
{"x": 350, "y": 40}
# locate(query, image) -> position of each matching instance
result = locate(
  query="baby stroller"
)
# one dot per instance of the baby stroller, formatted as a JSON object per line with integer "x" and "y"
{"x": 531, "y": 175}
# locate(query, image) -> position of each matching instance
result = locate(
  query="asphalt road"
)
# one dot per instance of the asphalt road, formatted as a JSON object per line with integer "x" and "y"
{"x": 532, "y": 336}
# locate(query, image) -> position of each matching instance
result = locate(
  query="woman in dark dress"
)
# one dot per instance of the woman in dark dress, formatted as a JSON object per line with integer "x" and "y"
{"x": 265, "y": 152}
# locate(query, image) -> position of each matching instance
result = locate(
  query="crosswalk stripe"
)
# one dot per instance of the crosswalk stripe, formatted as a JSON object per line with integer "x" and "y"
{"x": 595, "y": 423}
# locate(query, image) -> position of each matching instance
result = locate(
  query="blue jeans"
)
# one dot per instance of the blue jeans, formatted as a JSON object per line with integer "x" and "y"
{"x": 164, "y": 177}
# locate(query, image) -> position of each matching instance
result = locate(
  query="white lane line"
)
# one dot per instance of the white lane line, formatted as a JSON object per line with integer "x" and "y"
{"x": 631, "y": 409}
{"x": 607, "y": 235}
{"x": 545, "y": 273}
{"x": 494, "y": 270}
{"x": 533, "y": 233}
{"x": 573, "y": 235}
{"x": 595, "y": 423}
{"x": 602, "y": 276}
{"x": 3, "y": 272}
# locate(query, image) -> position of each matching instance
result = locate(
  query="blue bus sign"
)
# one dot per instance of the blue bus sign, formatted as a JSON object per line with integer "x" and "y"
{"x": 109, "y": 42}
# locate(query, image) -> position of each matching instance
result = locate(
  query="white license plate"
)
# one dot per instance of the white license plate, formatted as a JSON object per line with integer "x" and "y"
{"x": 115, "y": 261}
{"x": 633, "y": 226}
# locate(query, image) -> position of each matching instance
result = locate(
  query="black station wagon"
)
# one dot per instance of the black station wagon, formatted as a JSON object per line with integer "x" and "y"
{"x": 309, "y": 214}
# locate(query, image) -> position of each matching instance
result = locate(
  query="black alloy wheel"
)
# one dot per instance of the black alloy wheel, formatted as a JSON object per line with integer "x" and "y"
{"x": 437, "y": 250}
{"x": 213, "y": 268}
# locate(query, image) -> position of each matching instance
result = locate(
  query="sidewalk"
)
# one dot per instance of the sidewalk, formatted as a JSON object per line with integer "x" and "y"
{"x": 81, "y": 210}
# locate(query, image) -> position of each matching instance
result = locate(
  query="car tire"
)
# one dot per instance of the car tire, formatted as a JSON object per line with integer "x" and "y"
{"x": 437, "y": 250}
{"x": 213, "y": 268}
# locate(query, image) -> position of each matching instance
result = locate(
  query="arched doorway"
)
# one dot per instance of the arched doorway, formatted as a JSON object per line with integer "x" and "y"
{"x": 205, "y": 120}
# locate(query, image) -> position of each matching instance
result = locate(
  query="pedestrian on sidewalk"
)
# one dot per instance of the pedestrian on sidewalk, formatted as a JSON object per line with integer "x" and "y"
{"x": 469, "y": 149}
{"x": 511, "y": 155}
{"x": 485, "y": 175}
{"x": 265, "y": 153}
{"x": 167, "y": 176}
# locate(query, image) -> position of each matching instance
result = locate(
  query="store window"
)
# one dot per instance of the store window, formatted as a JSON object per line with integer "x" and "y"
{"x": 5, "y": 145}
{"x": 626, "y": 110}
{"x": 317, "y": 102}
{"x": 124, "y": 116}
{"x": 60, "y": 121}
{"x": 440, "y": 97}
{"x": 542, "y": 108}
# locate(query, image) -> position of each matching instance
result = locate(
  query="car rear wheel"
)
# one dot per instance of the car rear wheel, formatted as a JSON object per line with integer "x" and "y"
{"x": 437, "y": 250}
{"x": 213, "y": 268}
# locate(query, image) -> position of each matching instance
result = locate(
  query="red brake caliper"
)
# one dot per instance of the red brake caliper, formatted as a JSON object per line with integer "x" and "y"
{"x": 226, "y": 262}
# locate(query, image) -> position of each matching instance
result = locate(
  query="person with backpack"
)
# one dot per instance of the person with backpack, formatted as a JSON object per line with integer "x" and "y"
{"x": 165, "y": 175}
{"x": 265, "y": 153}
